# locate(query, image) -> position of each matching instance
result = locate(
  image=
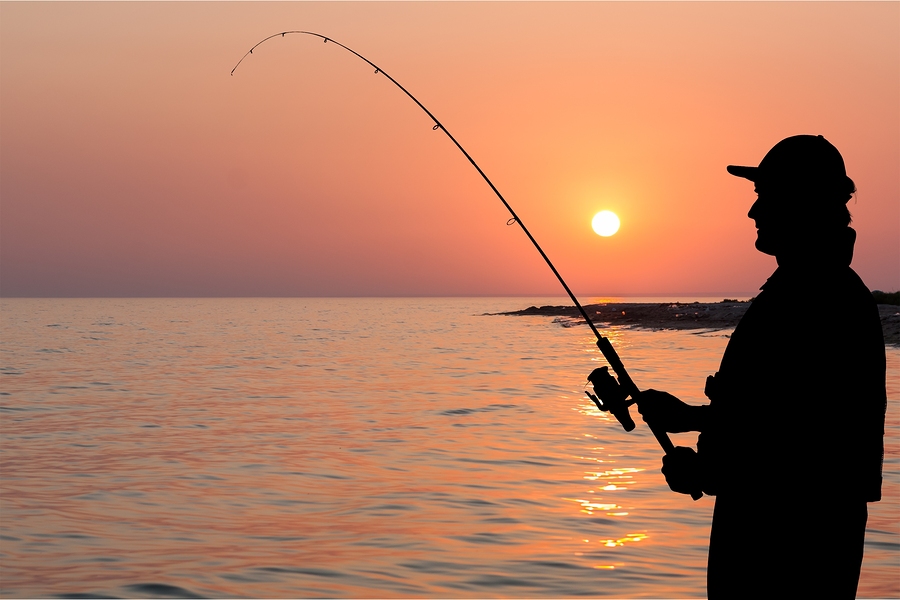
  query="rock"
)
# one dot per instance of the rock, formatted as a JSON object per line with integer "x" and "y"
{"x": 678, "y": 315}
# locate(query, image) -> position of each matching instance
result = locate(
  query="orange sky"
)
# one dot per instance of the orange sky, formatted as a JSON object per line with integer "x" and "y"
{"x": 131, "y": 164}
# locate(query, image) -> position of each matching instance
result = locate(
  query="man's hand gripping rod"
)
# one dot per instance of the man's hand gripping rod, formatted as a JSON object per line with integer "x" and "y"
{"x": 616, "y": 393}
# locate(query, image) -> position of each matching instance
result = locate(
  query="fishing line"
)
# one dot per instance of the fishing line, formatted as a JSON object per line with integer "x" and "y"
{"x": 628, "y": 387}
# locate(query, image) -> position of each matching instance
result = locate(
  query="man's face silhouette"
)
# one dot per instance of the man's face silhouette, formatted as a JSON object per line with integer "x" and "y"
{"x": 776, "y": 222}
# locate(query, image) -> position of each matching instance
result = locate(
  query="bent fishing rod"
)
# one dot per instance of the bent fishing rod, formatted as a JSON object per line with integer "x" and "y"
{"x": 615, "y": 393}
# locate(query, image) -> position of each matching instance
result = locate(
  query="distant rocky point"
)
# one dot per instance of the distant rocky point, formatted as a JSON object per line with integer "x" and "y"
{"x": 886, "y": 297}
{"x": 679, "y": 315}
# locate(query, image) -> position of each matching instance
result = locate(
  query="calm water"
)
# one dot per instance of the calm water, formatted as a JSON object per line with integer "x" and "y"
{"x": 351, "y": 447}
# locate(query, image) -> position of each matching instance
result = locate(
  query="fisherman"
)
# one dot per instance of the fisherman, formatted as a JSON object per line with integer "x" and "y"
{"x": 791, "y": 443}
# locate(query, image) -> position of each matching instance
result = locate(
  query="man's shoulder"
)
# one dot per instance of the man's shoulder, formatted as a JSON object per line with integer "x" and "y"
{"x": 857, "y": 286}
{"x": 818, "y": 285}
{"x": 807, "y": 305}
{"x": 854, "y": 296}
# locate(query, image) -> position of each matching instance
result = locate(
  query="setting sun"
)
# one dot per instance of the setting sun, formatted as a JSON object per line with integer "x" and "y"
{"x": 605, "y": 223}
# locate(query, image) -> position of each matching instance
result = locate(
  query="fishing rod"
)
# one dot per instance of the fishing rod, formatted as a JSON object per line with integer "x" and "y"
{"x": 615, "y": 394}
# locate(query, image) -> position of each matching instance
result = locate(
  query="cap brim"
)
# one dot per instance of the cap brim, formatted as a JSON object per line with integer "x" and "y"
{"x": 745, "y": 172}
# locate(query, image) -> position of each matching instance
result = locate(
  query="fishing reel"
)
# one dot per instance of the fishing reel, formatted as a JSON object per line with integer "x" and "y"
{"x": 614, "y": 397}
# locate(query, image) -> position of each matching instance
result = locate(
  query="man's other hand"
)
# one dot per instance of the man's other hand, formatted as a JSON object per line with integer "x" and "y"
{"x": 682, "y": 470}
{"x": 665, "y": 411}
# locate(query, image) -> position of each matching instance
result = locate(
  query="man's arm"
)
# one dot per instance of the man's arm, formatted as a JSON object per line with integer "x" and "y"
{"x": 663, "y": 410}
{"x": 684, "y": 469}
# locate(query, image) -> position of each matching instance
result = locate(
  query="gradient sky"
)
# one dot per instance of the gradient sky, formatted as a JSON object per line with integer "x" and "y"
{"x": 132, "y": 164}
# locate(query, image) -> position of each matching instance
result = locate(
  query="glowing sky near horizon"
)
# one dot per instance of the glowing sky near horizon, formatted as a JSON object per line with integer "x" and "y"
{"x": 131, "y": 164}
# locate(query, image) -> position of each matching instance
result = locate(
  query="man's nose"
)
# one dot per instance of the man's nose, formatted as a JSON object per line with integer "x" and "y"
{"x": 754, "y": 210}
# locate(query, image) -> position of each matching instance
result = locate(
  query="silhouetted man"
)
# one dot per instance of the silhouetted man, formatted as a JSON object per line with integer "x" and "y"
{"x": 791, "y": 444}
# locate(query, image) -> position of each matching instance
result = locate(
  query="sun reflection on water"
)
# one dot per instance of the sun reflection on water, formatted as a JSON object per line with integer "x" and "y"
{"x": 616, "y": 473}
{"x": 631, "y": 537}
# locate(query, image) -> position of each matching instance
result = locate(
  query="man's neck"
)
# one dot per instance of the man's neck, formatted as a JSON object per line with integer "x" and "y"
{"x": 816, "y": 253}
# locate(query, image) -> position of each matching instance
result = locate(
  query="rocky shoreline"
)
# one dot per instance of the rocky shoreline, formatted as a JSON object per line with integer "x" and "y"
{"x": 678, "y": 315}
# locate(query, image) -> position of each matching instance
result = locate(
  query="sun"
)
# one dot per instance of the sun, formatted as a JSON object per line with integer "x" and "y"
{"x": 605, "y": 223}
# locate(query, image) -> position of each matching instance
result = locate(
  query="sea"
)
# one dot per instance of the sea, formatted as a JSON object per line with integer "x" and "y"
{"x": 351, "y": 447}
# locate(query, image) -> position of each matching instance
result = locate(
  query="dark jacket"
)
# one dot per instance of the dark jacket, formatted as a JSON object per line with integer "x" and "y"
{"x": 799, "y": 400}
{"x": 794, "y": 445}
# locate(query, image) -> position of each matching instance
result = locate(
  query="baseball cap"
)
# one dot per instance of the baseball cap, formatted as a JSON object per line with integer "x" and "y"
{"x": 801, "y": 161}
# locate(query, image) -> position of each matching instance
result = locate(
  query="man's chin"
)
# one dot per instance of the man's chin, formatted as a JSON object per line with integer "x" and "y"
{"x": 765, "y": 246}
